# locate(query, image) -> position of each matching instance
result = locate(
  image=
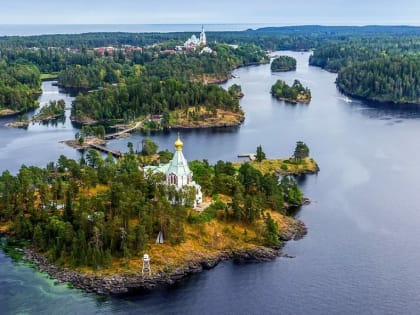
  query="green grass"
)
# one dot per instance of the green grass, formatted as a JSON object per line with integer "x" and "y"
{"x": 49, "y": 76}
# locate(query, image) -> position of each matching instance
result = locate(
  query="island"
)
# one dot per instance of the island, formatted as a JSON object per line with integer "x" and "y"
{"x": 283, "y": 64}
{"x": 92, "y": 222}
{"x": 296, "y": 93}
{"x": 52, "y": 111}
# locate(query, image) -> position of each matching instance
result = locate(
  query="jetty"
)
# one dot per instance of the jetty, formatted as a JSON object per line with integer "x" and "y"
{"x": 250, "y": 156}
{"x": 101, "y": 148}
{"x": 127, "y": 130}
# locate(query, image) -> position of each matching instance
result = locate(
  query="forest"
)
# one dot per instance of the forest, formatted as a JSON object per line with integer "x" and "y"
{"x": 20, "y": 85}
{"x": 78, "y": 65}
{"x": 388, "y": 78}
{"x": 50, "y": 111}
{"x": 283, "y": 63}
{"x": 142, "y": 96}
{"x": 165, "y": 84}
{"x": 87, "y": 212}
{"x": 381, "y": 69}
{"x": 296, "y": 93}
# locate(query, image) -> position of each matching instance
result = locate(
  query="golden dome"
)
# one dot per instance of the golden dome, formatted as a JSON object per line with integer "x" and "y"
{"x": 178, "y": 144}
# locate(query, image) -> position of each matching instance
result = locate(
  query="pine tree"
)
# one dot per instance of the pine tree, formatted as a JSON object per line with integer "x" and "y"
{"x": 68, "y": 208}
{"x": 260, "y": 154}
{"x": 301, "y": 151}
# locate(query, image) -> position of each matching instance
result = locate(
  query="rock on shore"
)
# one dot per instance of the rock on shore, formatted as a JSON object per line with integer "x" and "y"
{"x": 130, "y": 283}
{"x": 123, "y": 284}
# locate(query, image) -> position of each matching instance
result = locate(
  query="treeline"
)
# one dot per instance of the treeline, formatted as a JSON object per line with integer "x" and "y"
{"x": 388, "y": 78}
{"x": 141, "y": 97}
{"x": 274, "y": 38}
{"x": 164, "y": 84}
{"x": 283, "y": 63}
{"x": 380, "y": 68}
{"x": 295, "y": 93}
{"x": 251, "y": 191}
{"x": 86, "y": 213}
{"x": 19, "y": 86}
{"x": 334, "y": 57}
{"x": 94, "y": 75}
{"x": 191, "y": 66}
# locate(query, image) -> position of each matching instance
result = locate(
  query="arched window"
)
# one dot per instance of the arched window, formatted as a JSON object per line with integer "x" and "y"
{"x": 172, "y": 179}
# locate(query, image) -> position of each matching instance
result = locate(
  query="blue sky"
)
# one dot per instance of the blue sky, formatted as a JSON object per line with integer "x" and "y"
{"x": 281, "y": 12}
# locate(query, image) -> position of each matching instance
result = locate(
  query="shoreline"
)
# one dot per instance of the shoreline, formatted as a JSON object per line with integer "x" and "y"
{"x": 377, "y": 101}
{"x": 9, "y": 112}
{"x": 129, "y": 283}
{"x": 291, "y": 101}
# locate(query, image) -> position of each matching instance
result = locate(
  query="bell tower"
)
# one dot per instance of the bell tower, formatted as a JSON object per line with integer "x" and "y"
{"x": 203, "y": 36}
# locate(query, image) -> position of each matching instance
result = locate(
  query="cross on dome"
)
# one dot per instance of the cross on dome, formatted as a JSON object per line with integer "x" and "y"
{"x": 178, "y": 144}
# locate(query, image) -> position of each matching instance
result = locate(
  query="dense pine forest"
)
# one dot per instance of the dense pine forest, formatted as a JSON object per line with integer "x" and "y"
{"x": 283, "y": 63}
{"x": 378, "y": 68}
{"x": 73, "y": 59}
{"x": 296, "y": 93}
{"x": 87, "y": 212}
{"x": 395, "y": 79}
{"x": 20, "y": 86}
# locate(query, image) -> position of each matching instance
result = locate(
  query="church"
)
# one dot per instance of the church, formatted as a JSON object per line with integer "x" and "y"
{"x": 193, "y": 42}
{"x": 178, "y": 173}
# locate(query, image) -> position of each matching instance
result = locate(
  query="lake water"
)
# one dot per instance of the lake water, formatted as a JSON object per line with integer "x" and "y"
{"x": 362, "y": 253}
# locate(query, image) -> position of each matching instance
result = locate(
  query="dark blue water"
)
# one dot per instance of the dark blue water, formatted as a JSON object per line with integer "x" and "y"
{"x": 362, "y": 253}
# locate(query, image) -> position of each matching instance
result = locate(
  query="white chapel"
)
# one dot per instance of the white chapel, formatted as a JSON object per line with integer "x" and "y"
{"x": 178, "y": 173}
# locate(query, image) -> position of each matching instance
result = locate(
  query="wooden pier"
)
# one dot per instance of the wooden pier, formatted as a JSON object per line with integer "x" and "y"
{"x": 250, "y": 156}
{"x": 128, "y": 130}
{"x": 98, "y": 147}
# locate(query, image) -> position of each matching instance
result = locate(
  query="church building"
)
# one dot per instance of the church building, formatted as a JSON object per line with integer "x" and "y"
{"x": 193, "y": 42}
{"x": 178, "y": 173}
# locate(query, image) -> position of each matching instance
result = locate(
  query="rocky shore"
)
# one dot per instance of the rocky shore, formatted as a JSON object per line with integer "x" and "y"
{"x": 215, "y": 125}
{"x": 132, "y": 283}
{"x": 9, "y": 112}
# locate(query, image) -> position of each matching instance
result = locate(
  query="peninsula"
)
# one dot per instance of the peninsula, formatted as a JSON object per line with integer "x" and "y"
{"x": 90, "y": 222}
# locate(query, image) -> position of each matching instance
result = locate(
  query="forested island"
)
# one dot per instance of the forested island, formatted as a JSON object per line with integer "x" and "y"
{"x": 283, "y": 64}
{"x": 94, "y": 218}
{"x": 51, "y": 111}
{"x": 296, "y": 93}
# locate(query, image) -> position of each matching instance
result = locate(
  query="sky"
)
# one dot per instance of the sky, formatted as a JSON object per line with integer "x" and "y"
{"x": 279, "y": 12}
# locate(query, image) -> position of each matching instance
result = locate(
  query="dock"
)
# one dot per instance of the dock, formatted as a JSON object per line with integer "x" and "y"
{"x": 101, "y": 148}
{"x": 250, "y": 156}
{"x": 127, "y": 130}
